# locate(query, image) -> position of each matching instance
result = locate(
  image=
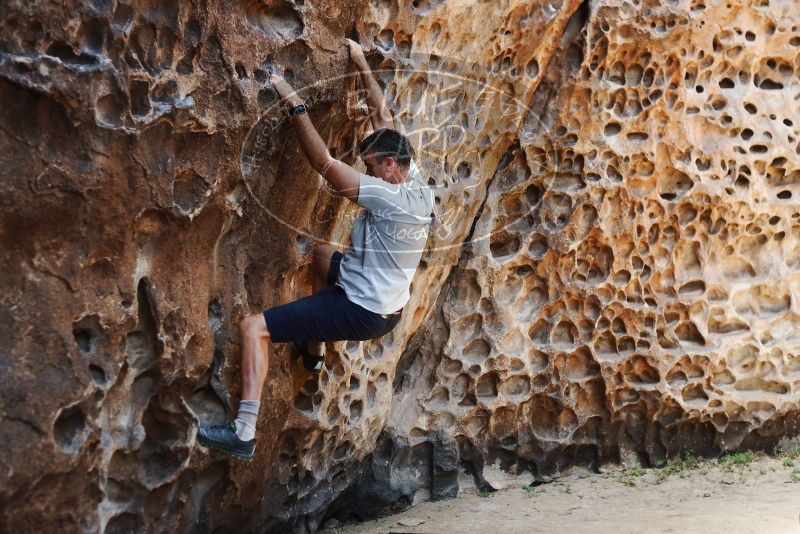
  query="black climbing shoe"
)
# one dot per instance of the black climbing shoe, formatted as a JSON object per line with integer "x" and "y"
{"x": 311, "y": 362}
{"x": 224, "y": 439}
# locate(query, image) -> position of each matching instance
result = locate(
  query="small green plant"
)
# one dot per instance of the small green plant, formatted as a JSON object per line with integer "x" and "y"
{"x": 791, "y": 454}
{"x": 796, "y": 475}
{"x": 528, "y": 488}
{"x": 484, "y": 493}
{"x": 788, "y": 462}
{"x": 678, "y": 467}
{"x": 637, "y": 471}
{"x": 629, "y": 476}
{"x": 738, "y": 459}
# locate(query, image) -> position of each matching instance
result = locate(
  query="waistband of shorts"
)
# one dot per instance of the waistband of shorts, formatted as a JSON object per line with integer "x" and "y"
{"x": 385, "y": 316}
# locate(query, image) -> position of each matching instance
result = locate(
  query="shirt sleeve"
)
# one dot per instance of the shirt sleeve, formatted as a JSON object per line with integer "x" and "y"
{"x": 378, "y": 196}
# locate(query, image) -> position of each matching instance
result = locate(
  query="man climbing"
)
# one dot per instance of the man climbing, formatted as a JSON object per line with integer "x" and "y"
{"x": 358, "y": 295}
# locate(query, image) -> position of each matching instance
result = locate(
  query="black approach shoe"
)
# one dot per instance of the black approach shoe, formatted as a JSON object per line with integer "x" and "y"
{"x": 223, "y": 438}
{"x": 311, "y": 362}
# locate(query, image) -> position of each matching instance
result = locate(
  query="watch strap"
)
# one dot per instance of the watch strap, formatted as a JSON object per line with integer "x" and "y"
{"x": 298, "y": 109}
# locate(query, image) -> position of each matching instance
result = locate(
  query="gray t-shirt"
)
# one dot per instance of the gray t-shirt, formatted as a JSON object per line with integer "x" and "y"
{"x": 388, "y": 239}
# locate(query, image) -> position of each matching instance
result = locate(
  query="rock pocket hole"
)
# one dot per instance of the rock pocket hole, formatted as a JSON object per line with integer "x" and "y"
{"x": 504, "y": 244}
{"x": 463, "y": 171}
{"x": 276, "y": 19}
{"x": 188, "y": 191}
{"x": 303, "y": 403}
{"x": 692, "y": 288}
{"x": 516, "y": 386}
{"x": 532, "y": 68}
{"x": 98, "y": 374}
{"x": 342, "y": 451}
{"x": 70, "y": 429}
{"x": 674, "y": 184}
{"x": 141, "y": 344}
{"x": 206, "y": 403}
{"x": 67, "y": 55}
{"x": 122, "y": 524}
{"x": 476, "y": 351}
{"x": 538, "y": 246}
{"x": 241, "y": 72}
{"x": 611, "y": 129}
{"x": 140, "y": 97}
{"x": 110, "y": 109}
{"x": 422, "y": 7}
{"x": 85, "y": 334}
{"x": 486, "y": 387}
{"x": 356, "y": 408}
{"x": 122, "y": 17}
{"x": 385, "y": 39}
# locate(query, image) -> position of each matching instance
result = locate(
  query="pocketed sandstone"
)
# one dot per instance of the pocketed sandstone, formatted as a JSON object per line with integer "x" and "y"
{"x": 614, "y": 274}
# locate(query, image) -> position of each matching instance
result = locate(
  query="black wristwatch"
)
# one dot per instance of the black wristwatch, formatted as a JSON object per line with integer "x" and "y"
{"x": 298, "y": 109}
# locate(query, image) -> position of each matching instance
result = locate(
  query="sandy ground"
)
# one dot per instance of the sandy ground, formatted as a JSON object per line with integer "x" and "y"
{"x": 761, "y": 497}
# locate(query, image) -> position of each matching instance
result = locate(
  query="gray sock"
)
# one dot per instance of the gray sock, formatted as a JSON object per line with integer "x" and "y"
{"x": 246, "y": 419}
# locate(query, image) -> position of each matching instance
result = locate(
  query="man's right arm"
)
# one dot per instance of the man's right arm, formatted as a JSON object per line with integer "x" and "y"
{"x": 379, "y": 113}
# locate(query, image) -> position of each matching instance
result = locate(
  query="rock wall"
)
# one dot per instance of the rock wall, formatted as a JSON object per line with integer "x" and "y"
{"x": 613, "y": 272}
{"x": 637, "y": 296}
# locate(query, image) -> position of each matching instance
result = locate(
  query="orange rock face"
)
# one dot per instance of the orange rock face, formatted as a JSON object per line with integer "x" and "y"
{"x": 613, "y": 274}
{"x": 634, "y": 293}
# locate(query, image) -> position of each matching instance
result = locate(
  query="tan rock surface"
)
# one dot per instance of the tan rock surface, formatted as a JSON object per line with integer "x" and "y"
{"x": 628, "y": 284}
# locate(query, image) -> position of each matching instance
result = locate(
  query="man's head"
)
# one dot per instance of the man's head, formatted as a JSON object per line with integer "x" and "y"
{"x": 387, "y": 155}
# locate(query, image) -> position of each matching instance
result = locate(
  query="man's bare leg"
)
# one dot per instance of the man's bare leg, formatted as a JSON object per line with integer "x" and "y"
{"x": 254, "y": 338}
{"x": 238, "y": 438}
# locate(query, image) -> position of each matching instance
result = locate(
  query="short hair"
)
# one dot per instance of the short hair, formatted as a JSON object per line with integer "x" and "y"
{"x": 388, "y": 143}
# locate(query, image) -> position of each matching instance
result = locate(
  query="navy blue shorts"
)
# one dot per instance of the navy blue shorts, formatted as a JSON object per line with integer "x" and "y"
{"x": 327, "y": 316}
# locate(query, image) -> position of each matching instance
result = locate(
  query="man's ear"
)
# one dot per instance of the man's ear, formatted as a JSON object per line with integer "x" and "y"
{"x": 390, "y": 163}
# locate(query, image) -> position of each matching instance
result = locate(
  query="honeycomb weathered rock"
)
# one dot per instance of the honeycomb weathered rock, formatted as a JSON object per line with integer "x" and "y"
{"x": 614, "y": 269}
{"x": 637, "y": 295}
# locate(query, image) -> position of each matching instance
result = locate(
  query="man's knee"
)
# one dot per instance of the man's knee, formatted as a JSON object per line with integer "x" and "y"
{"x": 254, "y": 326}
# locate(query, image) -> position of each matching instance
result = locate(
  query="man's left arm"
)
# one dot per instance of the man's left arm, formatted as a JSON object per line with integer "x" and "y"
{"x": 343, "y": 178}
